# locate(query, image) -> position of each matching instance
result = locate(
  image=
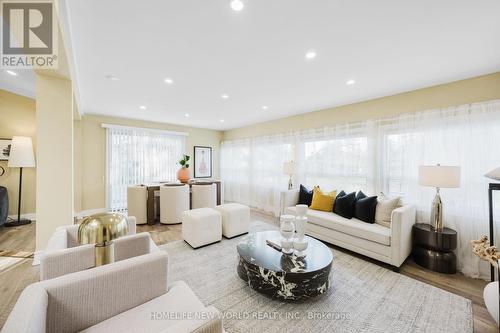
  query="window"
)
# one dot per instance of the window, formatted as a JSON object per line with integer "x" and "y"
{"x": 137, "y": 156}
{"x": 339, "y": 164}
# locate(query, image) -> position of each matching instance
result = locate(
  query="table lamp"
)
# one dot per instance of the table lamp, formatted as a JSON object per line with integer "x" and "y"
{"x": 439, "y": 177}
{"x": 21, "y": 156}
{"x": 289, "y": 169}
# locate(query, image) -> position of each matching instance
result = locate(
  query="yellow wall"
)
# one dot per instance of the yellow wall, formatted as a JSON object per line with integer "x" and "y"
{"x": 54, "y": 121}
{"x": 90, "y": 140}
{"x": 477, "y": 89}
{"x": 17, "y": 117}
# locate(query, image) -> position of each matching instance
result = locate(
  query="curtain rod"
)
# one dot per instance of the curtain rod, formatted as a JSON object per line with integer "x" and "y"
{"x": 154, "y": 130}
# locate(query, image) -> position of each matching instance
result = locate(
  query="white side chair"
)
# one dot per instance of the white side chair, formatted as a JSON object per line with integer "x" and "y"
{"x": 490, "y": 295}
{"x": 174, "y": 199}
{"x": 137, "y": 197}
{"x": 204, "y": 196}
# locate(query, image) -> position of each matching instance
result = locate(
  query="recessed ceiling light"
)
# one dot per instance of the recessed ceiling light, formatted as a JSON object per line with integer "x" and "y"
{"x": 111, "y": 77}
{"x": 142, "y": 107}
{"x": 265, "y": 107}
{"x": 186, "y": 114}
{"x": 311, "y": 55}
{"x": 350, "y": 82}
{"x": 224, "y": 96}
{"x": 222, "y": 120}
{"x": 169, "y": 81}
{"x": 11, "y": 73}
{"x": 237, "y": 5}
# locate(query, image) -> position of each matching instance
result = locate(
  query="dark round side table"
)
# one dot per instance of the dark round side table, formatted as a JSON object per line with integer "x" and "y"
{"x": 434, "y": 249}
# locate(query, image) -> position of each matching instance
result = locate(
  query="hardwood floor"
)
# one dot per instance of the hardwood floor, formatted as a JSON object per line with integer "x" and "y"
{"x": 17, "y": 273}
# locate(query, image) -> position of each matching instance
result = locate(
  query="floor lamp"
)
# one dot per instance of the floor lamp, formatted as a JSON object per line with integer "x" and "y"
{"x": 21, "y": 156}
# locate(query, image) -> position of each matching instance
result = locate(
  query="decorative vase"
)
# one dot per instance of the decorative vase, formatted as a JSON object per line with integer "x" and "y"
{"x": 301, "y": 210}
{"x": 183, "y": 175}
{"x": 287, "y": 230}
{"x": 300, "y": 226}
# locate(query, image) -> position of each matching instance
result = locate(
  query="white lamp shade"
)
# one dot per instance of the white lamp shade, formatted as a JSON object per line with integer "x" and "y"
{"x": 494, "y": 174}
{"x": 21, "y": 153}
{"x": 439, "y": 176}
{"x": 289, "y": 168}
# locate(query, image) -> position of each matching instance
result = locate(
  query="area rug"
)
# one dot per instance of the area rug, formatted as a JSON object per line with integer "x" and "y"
{"x": 363, "y": 297}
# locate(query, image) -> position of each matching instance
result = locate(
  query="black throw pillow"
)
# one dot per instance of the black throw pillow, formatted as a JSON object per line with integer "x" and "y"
{"x": 344, "y": 204}
{"x": 340, "y": 194}
{"x": 305, "y": 196}
{"x": 365, "y": 209}
{"x": 360, "y": 195}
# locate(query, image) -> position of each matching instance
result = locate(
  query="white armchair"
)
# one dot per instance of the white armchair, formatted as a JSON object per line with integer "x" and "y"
{"x": 66, "y": 237}
{"x": 126, "y": 296}
{"x": 65, "y": 261}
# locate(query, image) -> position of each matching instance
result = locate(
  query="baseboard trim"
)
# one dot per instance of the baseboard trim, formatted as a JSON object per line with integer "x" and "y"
{"x": 28, "y": 216}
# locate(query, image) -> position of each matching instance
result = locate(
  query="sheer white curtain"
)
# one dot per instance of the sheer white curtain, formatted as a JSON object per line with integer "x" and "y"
{"x": 136, "y": 156}
{"x": 252, "y": 170}
{"x": 467, "y": 136}
{"x": 381, "y": 155}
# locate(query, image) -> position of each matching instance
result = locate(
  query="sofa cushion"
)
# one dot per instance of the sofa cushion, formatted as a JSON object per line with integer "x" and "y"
{"x": 365, "y": 208}
{"x": 344, "y": 205}
{"x": 305, "y": 196}
{"x": 323, "y": 201}
{"x": 384, "y": 209}
{"x": 354, "y": 227}
{"x": 150, "y": 317}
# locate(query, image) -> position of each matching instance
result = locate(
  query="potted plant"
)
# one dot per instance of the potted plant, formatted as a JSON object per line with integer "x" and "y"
{"x": 183, "y": 173}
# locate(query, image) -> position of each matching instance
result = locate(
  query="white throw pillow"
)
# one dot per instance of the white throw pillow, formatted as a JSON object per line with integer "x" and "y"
{"x": 385, "y": 206}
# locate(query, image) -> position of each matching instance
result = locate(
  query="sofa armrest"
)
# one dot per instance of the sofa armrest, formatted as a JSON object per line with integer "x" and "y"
{"x": 288, "y": 198}
{"x": 402, "y": 221}
{"x": 116, "y": 287}
{"x": 132, "y": 225}
{"x": 132, "y": 246}
{"x": 58, "y": 240}
{"x": 29, "y": 313}
{"x": 66, "y": 261}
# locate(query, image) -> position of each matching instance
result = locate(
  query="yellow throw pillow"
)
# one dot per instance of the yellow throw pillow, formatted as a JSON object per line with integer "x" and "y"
{"x": 323, "y": 201}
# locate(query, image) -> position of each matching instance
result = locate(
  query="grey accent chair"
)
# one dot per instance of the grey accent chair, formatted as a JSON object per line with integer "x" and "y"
{"x": 65, "y": 261}
{"x": 131, "y": 295}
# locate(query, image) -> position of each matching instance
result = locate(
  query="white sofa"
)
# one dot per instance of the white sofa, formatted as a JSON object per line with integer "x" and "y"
{"x": 390, "y": 245}
{"x": 127, "y": 296}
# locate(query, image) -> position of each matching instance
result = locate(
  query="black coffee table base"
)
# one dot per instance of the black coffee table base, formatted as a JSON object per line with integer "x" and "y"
{"x": 285, "y": 286}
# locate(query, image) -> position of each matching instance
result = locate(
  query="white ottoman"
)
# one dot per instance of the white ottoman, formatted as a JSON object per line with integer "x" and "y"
{"x": 235, "y": 219}
{"x": 201, "y": 226}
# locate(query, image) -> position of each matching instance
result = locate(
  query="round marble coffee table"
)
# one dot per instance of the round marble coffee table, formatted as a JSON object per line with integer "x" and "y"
{"x": 282, "y": 276}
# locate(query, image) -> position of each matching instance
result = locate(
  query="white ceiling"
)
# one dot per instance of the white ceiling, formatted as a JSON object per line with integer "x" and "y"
{"x": 22, "y": 84}
{"x": 257, "y": 56}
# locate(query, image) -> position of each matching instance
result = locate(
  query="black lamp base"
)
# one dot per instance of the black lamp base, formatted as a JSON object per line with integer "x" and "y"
{"x": 17, "y": 223}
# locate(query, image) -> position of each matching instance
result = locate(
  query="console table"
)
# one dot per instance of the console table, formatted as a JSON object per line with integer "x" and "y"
{"x": 152, "y": 188}
{"x": 433, "y": 249}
